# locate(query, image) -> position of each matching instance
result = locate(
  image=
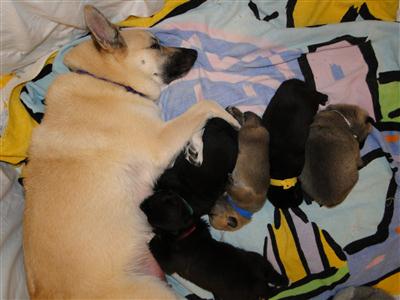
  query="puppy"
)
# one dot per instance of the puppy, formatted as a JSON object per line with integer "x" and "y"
{"x": 332, "y": 155}
{"x": 95, "y": 157}
{"x": 287, "y": 119}
{"x": 201, "y": 185}
{"x": 362, "y": 293}
{"x": 183, "y": 245}
{"x": 248, "y": 186}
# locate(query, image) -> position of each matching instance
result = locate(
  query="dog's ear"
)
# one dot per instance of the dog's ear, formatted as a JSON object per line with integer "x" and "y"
{"x": 105, "y": 35}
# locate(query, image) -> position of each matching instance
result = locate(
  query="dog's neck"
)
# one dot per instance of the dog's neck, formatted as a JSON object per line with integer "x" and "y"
{"x": 127, "y": 88}
{"x": 347, "y": 122}
{"x": 106, "y": 66}
{"x": 177, "y": 235}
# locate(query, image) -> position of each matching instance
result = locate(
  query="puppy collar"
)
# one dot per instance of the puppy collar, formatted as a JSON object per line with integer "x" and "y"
{"x": 186, "y": 233}
{"x": 347, "y": 122}
{"x": 241, "y": 211}
{"x": 285, "y": 183}
{"x": 126, "y": 87}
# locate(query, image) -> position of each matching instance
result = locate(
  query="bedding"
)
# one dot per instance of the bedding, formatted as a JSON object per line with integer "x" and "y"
{"x": 242, "y": 60}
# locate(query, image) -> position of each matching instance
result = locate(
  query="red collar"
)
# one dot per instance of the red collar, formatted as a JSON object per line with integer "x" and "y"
{"x": 186, "y": 233}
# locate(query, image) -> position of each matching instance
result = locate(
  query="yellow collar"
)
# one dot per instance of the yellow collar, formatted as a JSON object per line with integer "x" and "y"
{"x": 285, "y": 183}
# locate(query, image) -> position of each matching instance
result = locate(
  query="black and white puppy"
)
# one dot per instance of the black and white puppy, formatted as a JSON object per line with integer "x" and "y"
{"x": 183, "y": 244}
{"x": 201, "y": 185}
{"x": 287, "y": 119}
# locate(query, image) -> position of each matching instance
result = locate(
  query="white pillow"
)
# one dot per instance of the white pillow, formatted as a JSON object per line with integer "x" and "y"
{"x": 32, "y": 29}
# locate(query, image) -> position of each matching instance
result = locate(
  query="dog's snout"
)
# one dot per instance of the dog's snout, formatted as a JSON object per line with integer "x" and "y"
{"x": 232, "y": 222}
{"x": 191, "y": 55}
{"x": 180, "y": 62}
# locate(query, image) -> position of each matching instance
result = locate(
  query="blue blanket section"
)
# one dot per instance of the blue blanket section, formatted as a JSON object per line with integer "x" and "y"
{"x": 227, "y": 85}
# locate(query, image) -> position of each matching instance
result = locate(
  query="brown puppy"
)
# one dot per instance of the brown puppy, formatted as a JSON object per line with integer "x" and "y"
{"x": 332, "y": 154}
{"x": 246, "y": 193}
{"x": 95, "y": 157}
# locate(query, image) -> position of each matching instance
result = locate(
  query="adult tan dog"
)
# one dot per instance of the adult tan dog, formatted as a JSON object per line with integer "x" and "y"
{"x": 95, "y": 157}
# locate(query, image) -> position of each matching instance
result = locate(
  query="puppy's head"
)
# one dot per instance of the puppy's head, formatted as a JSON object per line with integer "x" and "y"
{"x": 133, "y": 57}
{"x": 224, "y": 217}
{"x": 251, "y": 119}
{"x": 360, "y": 121}
{"x": 167, "y": 211}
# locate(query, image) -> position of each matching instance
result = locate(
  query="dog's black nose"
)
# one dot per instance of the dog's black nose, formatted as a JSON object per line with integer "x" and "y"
{"x": 232, "y": 222}
{"x": 179, "y": 64}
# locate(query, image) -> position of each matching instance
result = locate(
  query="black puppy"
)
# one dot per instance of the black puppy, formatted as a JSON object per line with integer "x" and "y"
{"x": 183, "y": 245}
{"x": 201, "y": 185}
{"x": 287, "y": 119}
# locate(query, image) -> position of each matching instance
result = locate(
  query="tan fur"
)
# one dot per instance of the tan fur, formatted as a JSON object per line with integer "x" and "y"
{"x": 250, "y": 178}
{"x": 92, "y": 160}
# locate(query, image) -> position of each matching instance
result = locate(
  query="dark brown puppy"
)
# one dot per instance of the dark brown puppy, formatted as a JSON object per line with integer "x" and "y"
{"x": 332, "y": 154}
{"x": 247, "y": 190}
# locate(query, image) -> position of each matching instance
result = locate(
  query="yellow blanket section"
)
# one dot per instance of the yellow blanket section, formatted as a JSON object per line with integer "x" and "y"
{"x": 16, "y": 137}
{"x": 14, "y": 142}
{"x": 310, "y": 13}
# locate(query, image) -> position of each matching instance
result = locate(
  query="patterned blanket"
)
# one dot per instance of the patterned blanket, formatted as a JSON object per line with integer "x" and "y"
{"x": 246, "y": 50}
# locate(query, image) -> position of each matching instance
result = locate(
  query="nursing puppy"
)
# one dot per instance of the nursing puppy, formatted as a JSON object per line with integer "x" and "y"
{"x": 95, "y": 157}
{"x": 201, "y": 185}
{"x": 332, "y": 156}
{"x": 287, "y": 119}
{"x": 183, "y": 245}
{"x": 247, "y": 190}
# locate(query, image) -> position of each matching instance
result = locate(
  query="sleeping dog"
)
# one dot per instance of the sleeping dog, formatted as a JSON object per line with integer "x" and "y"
{"x": 248, "y": 185}
{"x": 183, "y": 245}
{"x": 332, "y": 155}
{"x": 95, "y": 157}
{"x": 287, "y": 119}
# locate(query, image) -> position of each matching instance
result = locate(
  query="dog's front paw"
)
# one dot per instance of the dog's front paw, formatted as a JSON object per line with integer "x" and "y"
{"x": 215, "y": 110}
{"x": 194, "y": 149}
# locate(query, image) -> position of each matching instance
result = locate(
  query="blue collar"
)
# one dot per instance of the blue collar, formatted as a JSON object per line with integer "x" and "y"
{"x": 126, "y": 87}
{"x": 241, "y": 211}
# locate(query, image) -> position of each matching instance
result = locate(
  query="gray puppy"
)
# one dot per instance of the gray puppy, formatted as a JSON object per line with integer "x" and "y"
{"x": 332, "y": 154}
{"x": 362, "y": 293}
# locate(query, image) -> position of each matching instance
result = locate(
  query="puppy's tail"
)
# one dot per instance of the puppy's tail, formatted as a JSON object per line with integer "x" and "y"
{"x": 275, "y": 278}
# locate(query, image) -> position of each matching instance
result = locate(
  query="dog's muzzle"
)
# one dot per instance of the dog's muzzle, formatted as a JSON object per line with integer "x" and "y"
{"x": 180, "y": 62}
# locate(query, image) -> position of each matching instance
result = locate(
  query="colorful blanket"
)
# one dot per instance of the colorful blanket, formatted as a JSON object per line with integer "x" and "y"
{"x": 242, "y": 60}
{"x": 246, "y": 50}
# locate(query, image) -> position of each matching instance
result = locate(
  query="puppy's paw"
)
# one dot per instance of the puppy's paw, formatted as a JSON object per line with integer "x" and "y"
{"x": 194, "y": 149}
{"x": 236, "y": 113}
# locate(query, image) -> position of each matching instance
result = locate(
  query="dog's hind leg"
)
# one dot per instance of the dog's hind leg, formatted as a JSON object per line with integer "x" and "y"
{"x": 177, "y": 132}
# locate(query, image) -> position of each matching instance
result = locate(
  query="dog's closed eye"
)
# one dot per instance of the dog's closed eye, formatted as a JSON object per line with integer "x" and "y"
{"x": 155, "y": 46}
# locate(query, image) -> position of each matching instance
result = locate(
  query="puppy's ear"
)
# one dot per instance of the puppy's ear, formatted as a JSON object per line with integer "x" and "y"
{"x": 321, "y": 98}
{"x": 105, "y": 35}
